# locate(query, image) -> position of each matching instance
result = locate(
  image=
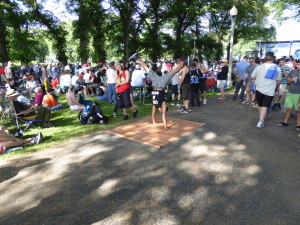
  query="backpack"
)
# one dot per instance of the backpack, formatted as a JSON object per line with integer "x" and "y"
{"x": 92, "y": 115}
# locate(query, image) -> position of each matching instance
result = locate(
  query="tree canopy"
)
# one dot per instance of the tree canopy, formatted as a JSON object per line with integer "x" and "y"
{"x": 110, "y": 29}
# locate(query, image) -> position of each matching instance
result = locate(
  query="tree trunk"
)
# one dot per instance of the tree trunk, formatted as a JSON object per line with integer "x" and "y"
{"x": 4, "y": 57}
{"x": 57, "y": 33}
{"x": 83, "y": 33}
{"x": 127, "y": 29}
{"x": 179, "y": 33}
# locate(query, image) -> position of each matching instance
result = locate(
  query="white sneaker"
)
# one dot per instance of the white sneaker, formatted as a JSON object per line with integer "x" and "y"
{"x": 204, "y": 101}
{"x": 260, "y": 125}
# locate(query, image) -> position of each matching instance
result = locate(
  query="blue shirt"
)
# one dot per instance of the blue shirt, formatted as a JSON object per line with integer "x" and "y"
{"x": 241, "y": 68}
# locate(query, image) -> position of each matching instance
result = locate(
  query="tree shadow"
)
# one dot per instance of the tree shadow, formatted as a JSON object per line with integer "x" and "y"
{"x": 213, "y": 176}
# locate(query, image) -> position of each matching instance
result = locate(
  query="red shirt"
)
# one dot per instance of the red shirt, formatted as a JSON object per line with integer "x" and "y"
{"x": 2, "y": 70}
{"x": 121, "y": 78}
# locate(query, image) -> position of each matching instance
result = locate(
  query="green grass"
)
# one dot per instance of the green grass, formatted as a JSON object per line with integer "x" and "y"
{"x": 67, "y": 126}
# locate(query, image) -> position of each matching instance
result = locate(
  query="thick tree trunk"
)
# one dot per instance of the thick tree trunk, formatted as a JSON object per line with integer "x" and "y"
{"x": 4, "y": 57}
{"x": 83, "y": 33}
{"x": 178, "y": 40}
{"x": 57, "y": 33}
{"x": 127, "y": 24}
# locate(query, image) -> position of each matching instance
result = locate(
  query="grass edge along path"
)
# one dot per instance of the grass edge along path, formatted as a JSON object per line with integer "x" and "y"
{"x": 67, "y": 126}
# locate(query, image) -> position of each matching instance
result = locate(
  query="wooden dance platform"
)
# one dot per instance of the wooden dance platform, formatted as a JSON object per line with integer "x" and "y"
{"x": 145, "y": 132}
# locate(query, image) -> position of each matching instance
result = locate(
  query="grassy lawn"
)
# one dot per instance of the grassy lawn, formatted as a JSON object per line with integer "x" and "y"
{"x": 67, "y": 126}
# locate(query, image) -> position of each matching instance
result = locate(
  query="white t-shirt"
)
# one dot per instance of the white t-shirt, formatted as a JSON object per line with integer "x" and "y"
{"x": 264, "y": 85}
{"x": 86, "y": 78}
{"x": 137, "y": 78}
{"x": 75, "y": 80}
{"x": 110, "y": 74}
{"x": 175, "y": 79}
{"x": 31, "y": 84}
{"x": 65, "y": 80}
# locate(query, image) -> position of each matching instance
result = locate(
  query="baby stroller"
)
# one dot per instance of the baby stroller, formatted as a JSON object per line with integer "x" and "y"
{"x": 210, "y": 84}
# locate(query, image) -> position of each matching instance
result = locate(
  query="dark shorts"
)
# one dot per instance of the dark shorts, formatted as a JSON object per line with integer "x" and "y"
{"x": 124, "y": 99}
{"x": 158, "y": 97}
{"x": 263, "y": 100}
{"x": 202, "y": 86}
{"x": 176, "y": 89}
{"x": 185, "y": 91}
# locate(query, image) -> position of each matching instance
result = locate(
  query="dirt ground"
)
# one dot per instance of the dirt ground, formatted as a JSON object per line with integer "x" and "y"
{"x": 227, "y": 172}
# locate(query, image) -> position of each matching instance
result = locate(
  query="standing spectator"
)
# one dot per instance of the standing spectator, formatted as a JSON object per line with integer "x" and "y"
{"x": 279, "y": 95}
{"x": 202, "y": 81}
{"x": 240, "y": 77}
{"x": 267, "y": 78}
{"x": 2, "y": 74}
{"x": 54, "y": 71}
{"x": 176, "y": 90}
{"x": 44, "y": 73}
{"x": 9, "y": 70}
{"x": 185, "y": 82}
{"x": 293, "y": 97}
{"x": 123, "y": 91}
{"x": 111, "y": 87}
{"x": 222, "y": 78}
{"x": 195, "y": 85}
{"x": 248, "y": 81}
{"x": 65, "y": 80}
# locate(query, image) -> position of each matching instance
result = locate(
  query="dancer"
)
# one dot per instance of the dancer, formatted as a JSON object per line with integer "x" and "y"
{"x": 159, "y": 84}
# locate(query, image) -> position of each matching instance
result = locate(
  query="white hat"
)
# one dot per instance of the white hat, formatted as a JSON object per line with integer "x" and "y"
{"x": 11, "y": 93}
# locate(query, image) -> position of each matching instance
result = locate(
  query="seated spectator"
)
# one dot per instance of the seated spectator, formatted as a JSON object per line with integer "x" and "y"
{"x": 6, "y": 105}
{"x": 27, "y": 108}
{"x": 75, "y": 80}
{"x": 88, "y": 82}
{"x": 81, "y": 99}
{"x": 65, "y": 80}
{"x": 101, "y": 92}
{"x": 31, "y": 84}
{"x": 8, "y": 140}
{"x": 39, "y": 95}
{"x": 50, "y": 100}
{"x": 55, "y": 82}
{"x": 138, "y": 79}
{"x": 72, "y": 100}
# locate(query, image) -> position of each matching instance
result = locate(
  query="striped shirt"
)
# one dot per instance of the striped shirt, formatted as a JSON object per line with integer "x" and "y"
{"x": 286, "y": 69}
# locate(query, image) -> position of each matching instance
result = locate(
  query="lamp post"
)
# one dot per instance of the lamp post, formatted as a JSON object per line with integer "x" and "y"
{"x": 233, "y": 13}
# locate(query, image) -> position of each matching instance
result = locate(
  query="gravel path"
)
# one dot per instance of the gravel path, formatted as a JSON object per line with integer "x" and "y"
{"x": 227, "y": 172}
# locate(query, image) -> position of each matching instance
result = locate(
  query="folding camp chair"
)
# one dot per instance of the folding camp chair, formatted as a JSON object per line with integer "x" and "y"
{"x": 211, "y": 83}
{"x": 27, "y": 120}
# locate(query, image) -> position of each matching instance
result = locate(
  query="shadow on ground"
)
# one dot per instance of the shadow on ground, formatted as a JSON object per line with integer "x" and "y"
{"x": 227, "y": 172}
